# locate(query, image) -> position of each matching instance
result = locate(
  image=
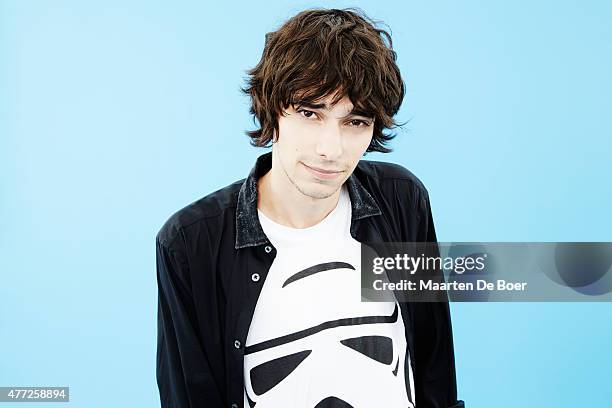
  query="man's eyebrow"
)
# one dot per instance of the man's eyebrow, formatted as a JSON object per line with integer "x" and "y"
{"x": 312, "y": 105}
{"x": 360, "y": 112}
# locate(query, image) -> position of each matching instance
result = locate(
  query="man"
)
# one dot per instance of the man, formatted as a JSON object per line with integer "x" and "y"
{"x": 259, "y": 282}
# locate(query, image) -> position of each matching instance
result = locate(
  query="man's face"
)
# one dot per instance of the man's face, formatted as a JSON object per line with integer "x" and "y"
{"x": 319, "y": 145}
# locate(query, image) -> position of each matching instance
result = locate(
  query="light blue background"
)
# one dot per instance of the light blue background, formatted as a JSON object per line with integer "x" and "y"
{"x": 115, "y": 114}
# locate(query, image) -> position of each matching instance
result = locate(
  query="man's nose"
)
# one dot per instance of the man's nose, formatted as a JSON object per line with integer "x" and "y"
{"x": 329, "y": 144}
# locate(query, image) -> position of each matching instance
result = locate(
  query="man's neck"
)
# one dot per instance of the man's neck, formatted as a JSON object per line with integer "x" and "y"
{"x": 284, "y": 204}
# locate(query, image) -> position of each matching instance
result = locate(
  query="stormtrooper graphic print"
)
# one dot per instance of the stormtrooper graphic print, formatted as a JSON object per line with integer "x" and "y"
{"x": 312, "y": 342}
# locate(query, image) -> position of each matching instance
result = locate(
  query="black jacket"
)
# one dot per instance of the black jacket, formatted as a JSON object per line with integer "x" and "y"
{"x": 213, "y": 258}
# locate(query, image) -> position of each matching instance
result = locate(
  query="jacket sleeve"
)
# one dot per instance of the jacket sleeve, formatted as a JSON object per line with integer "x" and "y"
{"x": 435, "y": 380}
{"x": 184, "y": 377}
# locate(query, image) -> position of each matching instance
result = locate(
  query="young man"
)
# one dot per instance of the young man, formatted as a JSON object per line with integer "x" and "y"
{"x": 259, "y": 282}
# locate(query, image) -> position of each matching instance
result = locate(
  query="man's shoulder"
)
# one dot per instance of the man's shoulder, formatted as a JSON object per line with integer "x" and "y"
{"x": 385, "y": 171}
{"x": 206, "y": 209}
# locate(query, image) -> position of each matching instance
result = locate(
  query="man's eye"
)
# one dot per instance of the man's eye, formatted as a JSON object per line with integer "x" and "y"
{"x": 359, "y": 123}
{"x": 306, "y": 113}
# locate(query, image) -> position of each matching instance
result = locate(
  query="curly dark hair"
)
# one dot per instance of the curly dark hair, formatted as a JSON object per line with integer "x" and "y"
{"x": 326, "y": 52}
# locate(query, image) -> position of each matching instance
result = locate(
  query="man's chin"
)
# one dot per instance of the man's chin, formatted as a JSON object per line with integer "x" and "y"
{"x": 318, "y": 191}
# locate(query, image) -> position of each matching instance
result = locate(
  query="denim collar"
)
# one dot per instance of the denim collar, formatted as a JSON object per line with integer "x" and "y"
{"x": 248, "y": 229}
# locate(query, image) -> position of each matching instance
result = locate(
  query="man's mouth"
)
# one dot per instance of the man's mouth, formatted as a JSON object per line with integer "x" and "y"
{"x": 326, "y": 174}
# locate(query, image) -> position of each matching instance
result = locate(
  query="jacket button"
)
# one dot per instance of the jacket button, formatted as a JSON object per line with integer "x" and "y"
{"x": 255, "y": 277}
{"x": 268, "y": 249}
{"x": 237, "y": 344}
{"x": 234, "y": 405}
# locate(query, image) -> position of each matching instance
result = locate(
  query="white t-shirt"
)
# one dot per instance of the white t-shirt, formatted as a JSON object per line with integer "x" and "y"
{"x": 311, "y": 340}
